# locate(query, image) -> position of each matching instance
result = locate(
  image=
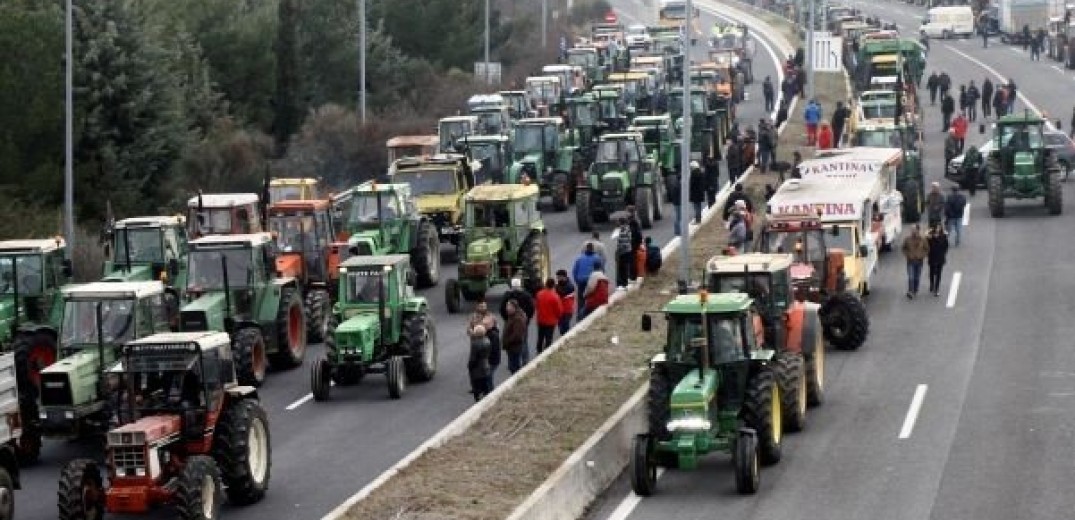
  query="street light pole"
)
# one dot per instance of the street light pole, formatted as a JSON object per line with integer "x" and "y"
{"x": 810, "y": 50}
{"x": 488, "y": 73}
{"x": 69, "y": 131}
{"x": 685, "y": 158}
{"x": 362, "y": 59}
{"x": 544, "y": 23}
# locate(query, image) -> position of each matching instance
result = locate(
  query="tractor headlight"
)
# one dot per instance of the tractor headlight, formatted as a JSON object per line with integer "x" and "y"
{"x": 689, "y": 424}
{"x": 139, "y": 472}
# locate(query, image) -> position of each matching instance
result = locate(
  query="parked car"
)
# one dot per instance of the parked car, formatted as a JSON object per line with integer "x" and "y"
{"x": 1058, "y": 141}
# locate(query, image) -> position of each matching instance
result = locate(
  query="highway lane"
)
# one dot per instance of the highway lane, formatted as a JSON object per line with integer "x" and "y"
{"x": 991, "y": 434}
{"x": 324, "y": 452}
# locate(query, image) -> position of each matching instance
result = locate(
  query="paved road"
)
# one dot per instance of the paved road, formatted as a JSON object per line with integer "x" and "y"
{"x": 990, "y": 359}
{"x": 324, "y": 452}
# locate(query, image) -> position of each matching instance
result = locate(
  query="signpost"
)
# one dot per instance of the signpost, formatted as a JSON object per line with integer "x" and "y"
{"x": 488, "y": 71}
{"x": 828, "y": 52}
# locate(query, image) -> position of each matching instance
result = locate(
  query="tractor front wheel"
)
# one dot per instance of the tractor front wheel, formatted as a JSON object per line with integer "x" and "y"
{"x": 81, "y": 491}
{"x": 996, "y": 196}
{"x": 845, "y": 321}
{"x": 7, "y": 495}
{"x": 644, "y": 206}
{"x": 198, "y": 493}
{"x": 762, "y": 412}
{"x": 745, "y": 459}
{"x": 583, "y": 214}
{"x": 420, "y": 338}
{"x": 658, "y": 403}
{"x": 321, "y": 379}
{"x": 643, "y": 466}
{"x": 318, "y": 310}
{"x": 452, "y": 296}
{"x": 791, "y": 376}
{"x": 658, "y": 200}
{"x": 426, "y": 256}
{"x": 1054, "y": 197}
{"x": 396, "y": 374}
{"x": 243, "y": 452}
{"x": 250, "y": 361}
{"x": 561, "y": 191}
{"x": 290, "y": 330}
{"x": 534, "y": 259}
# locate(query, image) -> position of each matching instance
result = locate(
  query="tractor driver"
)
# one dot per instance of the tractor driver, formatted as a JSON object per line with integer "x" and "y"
{"x": 726, "y": 345}
{"x": 367, "y": 289}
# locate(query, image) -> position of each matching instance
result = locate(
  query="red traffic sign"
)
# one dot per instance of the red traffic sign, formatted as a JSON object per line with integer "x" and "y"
{"x": 611, "y": 17}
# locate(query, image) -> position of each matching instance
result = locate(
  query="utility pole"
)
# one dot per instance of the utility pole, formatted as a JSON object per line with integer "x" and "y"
{"x": 685, "y": 159}
{"x": 488, "y": 72}
{"x": 812, "y": 14}
{"x": 69, "y": 132}
{"x": 544, "y": 23}
{"x": 362, "y": 60}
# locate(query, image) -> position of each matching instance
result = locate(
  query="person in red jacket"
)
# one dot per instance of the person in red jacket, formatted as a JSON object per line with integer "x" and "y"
{"x": 566, "y": 290}
{"x": 549, "y": 308}
{"x": 596, "y": 293}
{"x": 960, "y": 125}
{"x": 824, "y": 137}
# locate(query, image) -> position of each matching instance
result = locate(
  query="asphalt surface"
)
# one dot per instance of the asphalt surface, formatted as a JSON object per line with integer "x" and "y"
{"x": 990, "y": 362}
{"x": 325, "y": 452}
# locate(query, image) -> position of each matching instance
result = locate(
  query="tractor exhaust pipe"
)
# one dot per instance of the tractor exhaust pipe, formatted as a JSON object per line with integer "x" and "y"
{"x": 101, "y": 337}
{"x": 127, "y": 249}
{"x": 15, "y": 293}
{"x": 227, "y": 289}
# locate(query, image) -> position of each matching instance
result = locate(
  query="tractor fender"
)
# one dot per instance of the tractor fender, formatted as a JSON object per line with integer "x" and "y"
{"x": 794, "y": 321}
{"x": 10, "y": 462}
{"x": 416, "y": 305}
{"x": 811, "y": 325}
{"x": 242, "y": 392}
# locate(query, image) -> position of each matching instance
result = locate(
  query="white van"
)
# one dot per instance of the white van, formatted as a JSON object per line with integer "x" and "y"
{"x": 948, "y": 22}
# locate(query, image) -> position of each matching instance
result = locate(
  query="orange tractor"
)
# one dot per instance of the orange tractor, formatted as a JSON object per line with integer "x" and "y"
{"x": 188, "y": 434}
{"x": 310, "y": 253}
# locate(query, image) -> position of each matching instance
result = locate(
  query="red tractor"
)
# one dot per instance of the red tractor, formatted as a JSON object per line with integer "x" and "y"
{"x": 187, "y": 434}
{"x": 820, "y": 275}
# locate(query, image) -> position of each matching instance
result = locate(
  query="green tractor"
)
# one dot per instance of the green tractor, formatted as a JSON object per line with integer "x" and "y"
{"x": 659, "y": 136}
{"x": 612, "y": 107}
{"x": 911, "y": 179}
{"x": 383, "y": 219}
{"x": 713, "y": 389}
{"x": 621, "y": 175}
{"x": 504, "y": 237}
{"x": 491, "y": 156}
{"x": 233, "y": 288}
{"x": 385, "y": 329}
{"x": 547, "y": 153}
{"x": 148, "y": 248}
{"x": 98, "y": 319}
{"x": 710, "y": 124}
{"x": 438, "y": 184}
{"x": 1020, "y": 166}
{"x": 584, "y": 117}
{"x": 589, "y": 58}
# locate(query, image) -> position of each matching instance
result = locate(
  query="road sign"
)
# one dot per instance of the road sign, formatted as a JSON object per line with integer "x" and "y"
{"x": 828, "y": 52}
{"x": 490, "y": 74}
{"x": 610, "y": 17}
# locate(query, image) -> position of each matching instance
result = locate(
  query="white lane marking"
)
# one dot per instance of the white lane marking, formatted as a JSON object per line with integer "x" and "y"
{"x": 953, "y": 290}
{"x": 966, "y": 215}
{"x": 999, "y": 76}
{"x": 304, "y": 399}
{"x": 629, "y": 503}
{"x": 912, "y": 412}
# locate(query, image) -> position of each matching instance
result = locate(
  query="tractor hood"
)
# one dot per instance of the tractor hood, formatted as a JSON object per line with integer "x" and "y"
{"x": 691, "y": 398}
{"x": 437, "y": 203}
{"x": 483, "y": 249}
{"x": 801, "y": 272}
{"x": 358, "y": 331}
{"x": 150, "y": 430}
{"x": 203, "y": 314}
{"x": 289, "y": 265}
{"x": 612, "y": 181}
{"x": 366, "y": 243}
{"x": 78, "y": 372}
{"x": 533, "y": 158}
{"x": 137, "y": 273}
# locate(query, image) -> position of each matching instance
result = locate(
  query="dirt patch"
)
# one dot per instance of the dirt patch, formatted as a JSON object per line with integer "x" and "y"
{"x": 491, "y": 468}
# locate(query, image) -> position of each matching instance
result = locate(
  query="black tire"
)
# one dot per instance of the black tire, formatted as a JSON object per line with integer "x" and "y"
{"x": 396, "y": 374}
{"x": 845, "y": 321}
{"x": 452, "y": 296}
{"x": 761, "y": 411}
{"x": 745, "y": 460}
{"x": 81, "y": 494}
{"x": 815, "y": 364}
{"x": 290, "y": 331}
{"x": 318, "y": 310}
{"x": 643, "y": 466}
{"x": 791, "y": 376}
{"x": 534, "y": 259}
{"x": 28, "y": 445}
{"x": 996, "y": 196}
{"x": 425, "y": 258}
{"x": 242, "y": 449}
{"x": 7, "y": 495}
{"x": 583, "y": 213}
{"x": 251, "y": 365}
{"x": 658, "y": 199}
{"x": 658, "y": 403}
{"x": 1054, "y": 195}
{"x": 191, "y": 500}
{"x": 561, "y": 191}
{"x": 420, "y": 337}
{"x": 321, "y": 379}
{"x": 644, "y": 206}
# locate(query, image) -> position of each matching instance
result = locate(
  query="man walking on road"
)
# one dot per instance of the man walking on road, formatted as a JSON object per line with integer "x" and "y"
{"x": 915, "y": 250}
{"x": 598, "y": 246}
{"x": 972, "y": 101}
{"x": 636, "y": 241}
{"x": 839, "y": 119}
{"x": 954, "y": 207}
{"x": 948, "y": 107}
{"x": 935, "y": 205}
{"x": 514, "y": 336}
{"x": 567, "y": 292}
{"x": 1013, "y": 94}
{"x": 583, "y": 269}
{"x": 812, "y": 116}
{"x": 960, "y": 127}
{"x": 938, "y": 253}
{"x": 945, "y": 82}
{"x": 696, "y": 193}
{"x": 987, "y": 97}
{"x": 933, "y": 84}
{"x": 769, "y": 93}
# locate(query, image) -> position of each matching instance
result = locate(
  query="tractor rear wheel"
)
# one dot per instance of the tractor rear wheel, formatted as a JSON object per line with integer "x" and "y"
{"x": 250, "y": 361}
{"x": 583, "y": 214}
{"x": 7, "y": 495}
{"x": 242, "y": 449}
{"x": 318, "y": 310}
{"x": 845, "y": 320}
{"x": 396, "y": 374}
{"x": 1054, "y": 196}
{"x": 534, "y": 259}
{"x": 658, "y": 200}
{"x": 761, "y": 411}
{"x": 996, "y": 196}
{"x": 745, "y": 460}
{"x": 644, "y": 206}
{"x": 321, "y": 379}
{"x": 420, "y": 338}
{"x": 290, "y": 330}
{"x": 82, "y": 491}
{"x": 426, "y": 255}
{"x": 198, "y": 493}
{"x": 561, "y": 191}
{"x": 815, "y": 365}
{"x": 643, "y": 465}
{"x": 452, "y": 296}
{"x": 33, "y": 353}
{"x": 791, "y": 377}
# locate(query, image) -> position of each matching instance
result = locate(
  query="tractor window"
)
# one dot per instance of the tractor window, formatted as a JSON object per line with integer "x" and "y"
{"x": 522, "y": 213}
{"x": 490, "y": 122}
{"x": 27, "y": 269}
{"x": 364, "y": 208}
{"x": 726, "y": 338}
{"x": 159, "y": 319}
{"x": 845, "y": 240}
{"x": 428, "y": 182}
{"x": 211, "y": 368}
{"x": 582, "y": 114}
{"x": 698, "y": 103}
{"x": 79, "y": 325}
{"x": 1020, "y": 137}
{"x": 451, "y": 131}
{"x": 279, "y": 193}
{"x": 146, "y": 245}
{"x": 798, "y": 243}
{"x": 207, "y": 269}
{"x": 213, "y": 221}
{"x": 529, "y": 138}
{"x": 681, "y": 330}
{"x": 175, "y": 243}
{"x": 294, "y": 233}
{"x": 489, "y": 215}
{"x": 364, "y": 287}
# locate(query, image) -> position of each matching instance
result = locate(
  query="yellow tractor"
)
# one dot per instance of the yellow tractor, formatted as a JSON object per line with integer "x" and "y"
{"x": 293, "y": 189}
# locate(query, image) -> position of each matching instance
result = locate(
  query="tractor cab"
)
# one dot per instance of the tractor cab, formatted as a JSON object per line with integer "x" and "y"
{"x": 589, "y": 59}
{"x": 451, "y": 129}
{"x": 659, "y": 136}
{"x": 293, "y": 189}
{"x": 545, "y": 93}
{"x": 304, "y": 231}
{"x": 572, "y": 77}
{"x": 373, "y": 214}
{"x": 536, "y": 143}
{"x": 612, "y": 107}
{"x": 762, "y": 276}
{"x": 805, "y": 239}
{"x": 147, "y": 248}
{"x": 493, "y": 152}
{"x": 621, "y": 175}
{"x": 225, "y": 273}
{"x": 223, "y": 214}
{"x": 518, "y": 102}
{"x": 31, "y": 275}
{"x": 404, "y": 146}
{"x": 492, "y": 112}
{"x": 438, "y": 185}
{"x": 372, "y": 287}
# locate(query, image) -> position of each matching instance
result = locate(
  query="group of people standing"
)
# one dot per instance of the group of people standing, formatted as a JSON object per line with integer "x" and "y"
{"x": 994, "y": 99}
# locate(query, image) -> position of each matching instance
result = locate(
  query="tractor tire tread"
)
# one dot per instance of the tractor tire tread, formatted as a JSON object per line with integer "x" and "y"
{"x": 285, "y": 357}
{"x": 231, "y": 451}
{"x": 188, "y": 489}
{"x": 757, "y": 413}
{"x": 415, "y": 327}
{"x": 426, "y": 251}
{"x": 69, "y": 494}
{"x": 858, "y": 326}
{"x": 791, "y": 376}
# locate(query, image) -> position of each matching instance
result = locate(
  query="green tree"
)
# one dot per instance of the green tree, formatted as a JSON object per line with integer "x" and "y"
{"x": 286, "y": 105}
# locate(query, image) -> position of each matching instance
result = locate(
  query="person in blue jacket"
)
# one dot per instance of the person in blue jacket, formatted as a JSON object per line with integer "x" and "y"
{"x": 582, "y": 270}
{"x": 812, "y": 116}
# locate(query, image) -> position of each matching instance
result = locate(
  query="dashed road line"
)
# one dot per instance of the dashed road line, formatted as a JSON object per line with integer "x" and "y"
{"x": 630, "y": 502}
{"x": 953, "y": 289}
{"x": 304, "y": 399}
{"x": 966, "y": 215}
{"x": 912, "y": 412}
